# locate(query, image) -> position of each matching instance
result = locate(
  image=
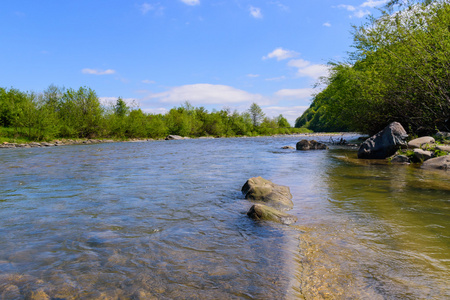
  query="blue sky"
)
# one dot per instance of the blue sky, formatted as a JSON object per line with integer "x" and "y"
{"x": 212, "y": 53}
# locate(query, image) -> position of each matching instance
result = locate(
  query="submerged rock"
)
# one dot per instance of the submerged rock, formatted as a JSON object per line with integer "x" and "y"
{"x": 400, "y": 159}
{"x": 420, "y": 142}
{"x": 310, "y": 145}
{"x": 260, "y": 189}
{"x": 437, "y": 163}
{"x": 267, "y": 213}
{"x": 385, "y": 143}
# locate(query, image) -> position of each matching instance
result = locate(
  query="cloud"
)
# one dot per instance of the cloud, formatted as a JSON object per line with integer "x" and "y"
{"x": 373, "y": 3}
{"x": 202, "y": 94}
{"x": 347, "y": 7}
{"x": 191, "y": 2}
{"x": 281, "y": 54}
{"x": 98, "y": 71}
{"x": 255, "y": 12}
{"x": 146, "y": 81}
{"x": 109, "y": 101}
{"x": 307, "y": 69}
{"x": 361, "y": 13}
{"x": 327, "y": 24}
{"x": 146, "y": 7}
{"x": 295, "y": 93}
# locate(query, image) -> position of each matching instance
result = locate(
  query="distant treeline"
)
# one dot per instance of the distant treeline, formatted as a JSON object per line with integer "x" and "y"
{"x": 69, "y": 113}
{"x": 399, "y": 71}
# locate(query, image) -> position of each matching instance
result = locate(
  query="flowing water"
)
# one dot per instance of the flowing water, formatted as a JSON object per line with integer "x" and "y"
{"x": 167, "y": 220}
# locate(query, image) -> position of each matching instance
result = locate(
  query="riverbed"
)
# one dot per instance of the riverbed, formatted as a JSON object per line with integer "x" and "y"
{"x": 167, "y": 220}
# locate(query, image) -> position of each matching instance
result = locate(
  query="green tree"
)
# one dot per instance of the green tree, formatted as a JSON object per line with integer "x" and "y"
{"x": 256, "y": 114}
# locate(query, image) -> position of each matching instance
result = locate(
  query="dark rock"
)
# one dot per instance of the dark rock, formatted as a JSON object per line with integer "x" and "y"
{"x": 420, "y": 142}
{"x": 310, "y": 145}
{"x": 385, "y": 143}
{"x": 173, "y": 137}
{"x": 442, "y": 135}
{"x": 267, "y": 213}
{"x": 437, "y": 163}
{"x": 400, "y": 159}
{"x": 260, "y": 189}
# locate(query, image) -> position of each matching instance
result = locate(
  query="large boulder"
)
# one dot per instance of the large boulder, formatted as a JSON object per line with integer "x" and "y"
{"x": 260, "y": 189}
{"x": 310, "y": 145}
{"x": 267, "y": 213}
{"x": 445, "y": 148}
{"x": 421, "y": 142}
{"x": 437, "y": 163}
{"x": 385, "y": 143}
{"x": 422, "y": 155}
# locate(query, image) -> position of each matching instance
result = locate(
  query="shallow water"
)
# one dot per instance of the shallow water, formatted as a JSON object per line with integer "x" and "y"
{"x": 166, "y": 220}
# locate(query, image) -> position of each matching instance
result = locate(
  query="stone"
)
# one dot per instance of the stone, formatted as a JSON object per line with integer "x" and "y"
{"x": 437, "y": 163}
{"x": 173, "y": 137}
{"x": 445, "y": 148}
{"x": 260, "y": 189}
{"x": 385, "y": 143}
{"x": 421, "y": 142}
{"x": 267, "y": 213}
{"x": 442, "y": 135}
{"x": 310, "y": 145}
{"x": 400, "y": 159}
{"x": 287, "y": 147}
{"x": 422, "y": 155}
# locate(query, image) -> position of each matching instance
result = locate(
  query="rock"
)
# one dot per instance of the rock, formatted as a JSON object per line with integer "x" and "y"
{"x": 173, "y": 137}
{"x": 287, "y": 147}
{"x": 445, "y": 148}
{"x": 310, "y": 145}
{"x": 385, "y": 143}
{"x": 400, "y": 159}
{"x": 267, "y": 213}
{"x": 437, "y": 163}
{"x": 47, "y": 144}
{"x": 260, "y": 189}
{"x": 422, "y": 141}
{"x": 422, "y": 155}
{"x": 442, "y": 135}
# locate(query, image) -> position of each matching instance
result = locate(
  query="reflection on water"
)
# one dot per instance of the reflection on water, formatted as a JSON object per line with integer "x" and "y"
{"x": 166, "y": 220}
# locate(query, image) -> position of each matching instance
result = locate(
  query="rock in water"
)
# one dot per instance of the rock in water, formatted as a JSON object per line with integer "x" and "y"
{"x": 267, "y": 213}
{"x": 260, "y": 189}
{"x": 420, "y": 142}
{"x": 437, "y": 163}
{"x": 385, "y": 143}
{"x": 310, "y": 145}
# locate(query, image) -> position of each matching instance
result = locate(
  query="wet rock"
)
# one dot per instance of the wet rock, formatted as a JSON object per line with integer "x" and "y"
{"x": 260, "y": 189}
{"x": 400, "y": 159}
{"x": 35, "y": 144}
{"x": 10, "y": 291}
{"x": 174, "y": 137}
{"x": 287, "y": 147}
{"x": 437, "y": 163}
{"x": 422, "y": 155}
{"x": 267, "y": 213}
{"x": 37, "y": 295}
{"x": 45, "y": 144}
{"x": 385, "y": 143}
{"x": 310, "y": 145}
{"x": 421, "y": 142}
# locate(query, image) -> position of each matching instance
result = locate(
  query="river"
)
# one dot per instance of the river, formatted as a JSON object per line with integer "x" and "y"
{"x": 167, "y": 220}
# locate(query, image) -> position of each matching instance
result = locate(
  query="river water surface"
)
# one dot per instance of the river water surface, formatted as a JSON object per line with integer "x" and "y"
{"x": 167, "y": 220}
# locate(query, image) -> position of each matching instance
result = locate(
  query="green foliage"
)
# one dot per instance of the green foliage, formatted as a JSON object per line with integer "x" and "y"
{"x": 400, "y": 71}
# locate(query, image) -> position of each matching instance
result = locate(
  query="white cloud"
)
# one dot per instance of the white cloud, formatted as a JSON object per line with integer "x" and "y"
{"x": 98, "y": 71}
{"x": 347, "y": 7}
{"x": 291, "y": 113}
{"x": 361, "y": 13}
{"x": 202, "y": 94}
{"x": 156, "y": 111}
{"x": 373, "y": 3}
{"x": 295, "y": 93}
{"x": 146, "y": 81}
{"x": 255, "y": 12}
{"x": 306, "y": 69}
{"x": 191, "y": 2}
{"x": 327, "y": 24}
{"x": 145, "y": 8}
{"x": 281, "y": 54}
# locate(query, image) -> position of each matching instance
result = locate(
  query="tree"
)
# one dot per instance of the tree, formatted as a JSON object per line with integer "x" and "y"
{"x": 256, "y": 114}
{"x": 121, "y": 109}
